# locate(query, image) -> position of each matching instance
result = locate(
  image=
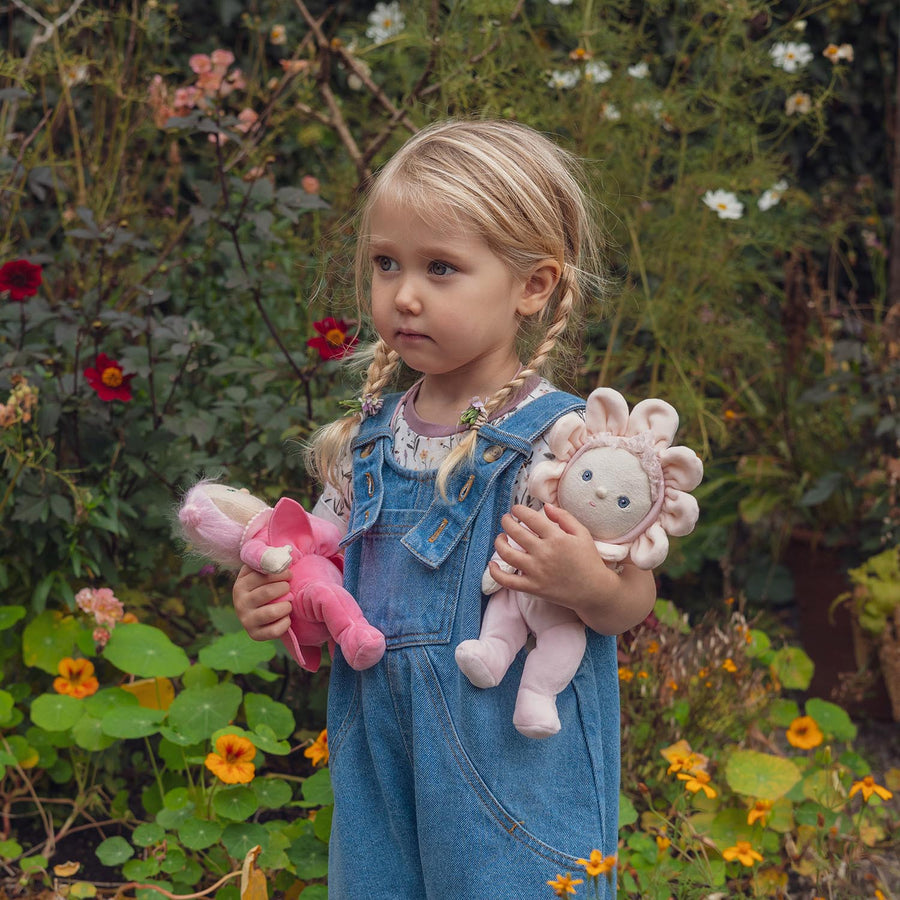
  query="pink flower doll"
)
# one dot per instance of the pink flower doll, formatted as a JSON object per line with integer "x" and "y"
{"x": 620, "y": 477}
{"x": 231, "y": 526}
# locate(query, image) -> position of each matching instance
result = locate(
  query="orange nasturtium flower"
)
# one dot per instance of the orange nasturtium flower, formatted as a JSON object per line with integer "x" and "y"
{"x": 564, "y": 884}
{"x": 869, "y": 787}
{"x": 759, "y": 812}
{"x": 682, "y": 759}
{"x": 598, "y": 864}
{"x": 743, "y": 852}
{"x": 698, "y": 780}
{"x": 76, "y": 678}
{"x": 804, "y": 733}
{"x": 231, "y": 761}
{"x": 318, "y": 752}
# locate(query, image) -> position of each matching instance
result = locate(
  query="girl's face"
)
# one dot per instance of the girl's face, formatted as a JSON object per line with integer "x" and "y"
{"x": 443, "y": 300}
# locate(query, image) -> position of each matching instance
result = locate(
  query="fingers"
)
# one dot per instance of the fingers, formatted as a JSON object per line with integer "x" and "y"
{"x": 257, "y": 604}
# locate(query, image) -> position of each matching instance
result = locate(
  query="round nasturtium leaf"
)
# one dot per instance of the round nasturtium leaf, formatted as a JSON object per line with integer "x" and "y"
{"x": 760, "y": 775}
{"x": 831, "y": 719}
{"x": 240, "y": 838}
{"x": 145, "y": 651}
{"x": 114, "y": 851}
{"x": 793, "y": 667}
{"x": 263, "y": 710}
{"x": 198, "y": 834}
{"x": 236, "y": 652}
{"x": 236, "y": 804}
{"x": 132, "y": 722}
{"x": 198, "y": 712}
{"x": 56, "y": 712}
{"x": 48, "y": 638}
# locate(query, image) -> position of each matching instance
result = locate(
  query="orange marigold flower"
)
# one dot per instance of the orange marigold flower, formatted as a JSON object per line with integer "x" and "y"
{"x": 804, "y": 733}
{"x": 76, "y": 678}
{"x": 653, "y": 647}
{"x": 231, "y": 761}
{"x": 318, "y": 751}
{"x": 868, "y": 787}
{"x": 743, "y": 852}
{"x": 759, "y": 812}
{"x": 697, "y": 781}
{"x": 642, "y": 674}
{"x": 682, "y": 759}
{"x": 729, "y": 665}
{"x": 625, "y": 674}
{"x": 663, "y": 843}
{"x": 564, "y": 884}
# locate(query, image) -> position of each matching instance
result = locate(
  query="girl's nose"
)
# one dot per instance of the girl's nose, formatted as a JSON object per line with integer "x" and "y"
{"x": 406, "y": 299}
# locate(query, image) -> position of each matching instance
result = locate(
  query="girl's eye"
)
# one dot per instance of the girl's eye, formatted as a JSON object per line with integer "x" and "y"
{"x": 623, "y": 502}
{"x": 587, "y": 475}
{"x": 385, "y": 264}
{"x": 440, "y": 268}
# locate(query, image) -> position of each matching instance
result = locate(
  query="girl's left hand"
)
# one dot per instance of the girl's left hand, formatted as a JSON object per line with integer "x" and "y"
{"x": 557, "y": 560}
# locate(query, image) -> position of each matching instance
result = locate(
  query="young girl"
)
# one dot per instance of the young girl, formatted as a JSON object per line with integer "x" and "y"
{"x": 474, "y": 249}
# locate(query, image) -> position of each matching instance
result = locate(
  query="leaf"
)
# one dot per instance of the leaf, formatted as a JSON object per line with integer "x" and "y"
{"x": 793, "y": 667}
{"x": 153, "y": 693}
{"x": 627, "y": 812}
{"x": 198, "y": 834}
{"x": 88, "y": 734}
{"x": 198, "y": 712}
{"x": 145, "y": 651}
{"x": 56, "y": 712}
{"x": 760, "y": 775}
{"x": 147, "y": 834}
{"x": 235, "y": 803}
{"x": 309, "y": 857}
{"x": 317, "y": 789}
{"x": 253, "y": 882}
{"x": 66, "y": 869}
{"x": 272, "y": 793}
{"x": 47, "y": 639}
{"x": 240, "y": 838}
{"x": 263, "y": 710}
{"x": 114, "y": 851}
{"x": 9, "y": 615}
{"x": 236, "y": 652}
{"x": 132, "y": 722}
{"x": 831, "y": 719}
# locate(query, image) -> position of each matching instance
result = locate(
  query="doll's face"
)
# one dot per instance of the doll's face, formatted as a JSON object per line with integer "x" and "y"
{"x": 238, "y": 504}
{"x": 607, "y": 491}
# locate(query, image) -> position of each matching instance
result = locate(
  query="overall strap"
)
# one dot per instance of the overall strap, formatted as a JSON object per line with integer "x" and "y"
{"x": 445, "y": 522}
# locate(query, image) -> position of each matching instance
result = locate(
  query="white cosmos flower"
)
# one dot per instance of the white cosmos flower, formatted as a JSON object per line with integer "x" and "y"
{"x": 790, "y": 56}
{"x": 597, "y": 72}
{"x": 639, "y": 70}
{"x": 562, "y": 80}
{"x": 610, "y": 112}
{"x": 800, "y": 103}
{"x": 772, "y": 196}
{"x": 385, "y": 21}
{"x": 725, "y": 204}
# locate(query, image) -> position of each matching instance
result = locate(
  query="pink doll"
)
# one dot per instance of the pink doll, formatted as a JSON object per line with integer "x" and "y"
{"x": 620, "y": 477}
{"x": 231, "y": 527}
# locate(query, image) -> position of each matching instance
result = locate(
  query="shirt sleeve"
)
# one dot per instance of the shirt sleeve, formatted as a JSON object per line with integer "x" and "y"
{"x": 334, "y": 502}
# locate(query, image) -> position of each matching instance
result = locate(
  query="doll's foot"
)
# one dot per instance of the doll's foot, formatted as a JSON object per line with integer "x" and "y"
{"x": 535, "y": 714}
{"x": 363, "y": 647}
{"x": 479, "y": 664}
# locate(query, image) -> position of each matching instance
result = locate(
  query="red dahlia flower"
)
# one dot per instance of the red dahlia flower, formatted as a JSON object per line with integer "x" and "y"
{"x": 108, "y": 380}
{"x": 21, "y": 278}
{"x": 334, "y": 341}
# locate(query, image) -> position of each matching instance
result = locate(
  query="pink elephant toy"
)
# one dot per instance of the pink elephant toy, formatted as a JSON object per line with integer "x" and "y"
{"x": 231, "y": 526}
{"x": 620, "y": 477}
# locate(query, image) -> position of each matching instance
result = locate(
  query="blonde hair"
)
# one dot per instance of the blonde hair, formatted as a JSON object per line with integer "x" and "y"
{"x": 522, "y": 195}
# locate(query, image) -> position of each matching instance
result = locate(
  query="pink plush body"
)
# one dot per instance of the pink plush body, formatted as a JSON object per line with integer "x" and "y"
{"x": 321, "y": 609}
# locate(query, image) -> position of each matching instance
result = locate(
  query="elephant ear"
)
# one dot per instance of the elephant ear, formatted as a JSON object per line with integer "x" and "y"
{"x": 650, "y": 549}
{"x": 606, "y": 412}
{"x": 657, "y": 417}
{"x": 682, "y": 467}
{"x": 679, "y": 513}
{"x": 566, "y": 436}
{"x": 543, "y": 482}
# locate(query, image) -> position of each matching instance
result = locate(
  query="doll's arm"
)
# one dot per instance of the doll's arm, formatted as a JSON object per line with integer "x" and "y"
{"x": 557, "y": 560}
{"x": 259, "y": 555}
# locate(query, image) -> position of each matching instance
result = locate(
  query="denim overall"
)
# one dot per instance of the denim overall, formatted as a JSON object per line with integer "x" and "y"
{"x": 437, "y": 796}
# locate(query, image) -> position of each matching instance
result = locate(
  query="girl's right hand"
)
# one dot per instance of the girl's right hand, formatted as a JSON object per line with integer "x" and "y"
{"x": 253, "y": 595}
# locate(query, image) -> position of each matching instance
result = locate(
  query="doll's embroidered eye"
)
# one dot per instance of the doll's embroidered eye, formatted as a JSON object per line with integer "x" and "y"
{"x": 587, "y": 475}
{"x": 623, "y": 502}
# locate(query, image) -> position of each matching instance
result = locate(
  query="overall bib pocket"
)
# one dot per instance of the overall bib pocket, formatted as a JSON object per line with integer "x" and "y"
{"x": 423, "y": 616}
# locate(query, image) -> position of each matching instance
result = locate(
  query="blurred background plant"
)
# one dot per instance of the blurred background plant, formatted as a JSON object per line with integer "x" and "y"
{"x": 177, "y": 182}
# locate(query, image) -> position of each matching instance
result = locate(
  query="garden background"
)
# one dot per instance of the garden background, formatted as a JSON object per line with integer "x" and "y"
{"x": 177, "y": 183}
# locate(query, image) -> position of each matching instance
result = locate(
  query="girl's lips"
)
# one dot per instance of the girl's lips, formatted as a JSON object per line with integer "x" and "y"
{"x": 411, "y": 335}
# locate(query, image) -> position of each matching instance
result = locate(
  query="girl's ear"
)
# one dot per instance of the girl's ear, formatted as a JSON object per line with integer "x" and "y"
{"x": 538, "y": 287}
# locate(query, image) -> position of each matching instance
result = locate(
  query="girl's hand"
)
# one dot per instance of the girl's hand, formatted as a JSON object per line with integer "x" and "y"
{"x": 253, "y": 595}
{"x": 558, "y": 561}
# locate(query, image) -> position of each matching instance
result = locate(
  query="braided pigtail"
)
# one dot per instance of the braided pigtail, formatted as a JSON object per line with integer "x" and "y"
{"x": 327, "y": 447}
{"x": 567, "y": 290}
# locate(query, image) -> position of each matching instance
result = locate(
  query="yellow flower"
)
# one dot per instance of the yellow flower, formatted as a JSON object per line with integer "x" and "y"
{"x": 697, "y": 781}
{"x": 625, "y": 674}
{"x": 231, "y": 761}
{"x": 804, "y": 733}
{"x": 682, "y": 759}
{"x": 729, "y": 665}
{"x": 663, "y": 843}
{"x": 318, "y": 752}
{"x": 564, "y": 884}
{"x": 743, "y": 852}
{"x": 642, "y": 674}
{"x": 653, "y": 647}
{"x": 76, "y": 678}
{"x": 869, "y": 787}
{"x": 598, "y": 864}
{"x": 759, "y": 812}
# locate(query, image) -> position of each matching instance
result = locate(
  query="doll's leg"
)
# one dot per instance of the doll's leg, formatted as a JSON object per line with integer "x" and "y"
{"x": 503, "y": 633}
{"x": 361, "y": 643}
{"x": 560, "y": 640}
